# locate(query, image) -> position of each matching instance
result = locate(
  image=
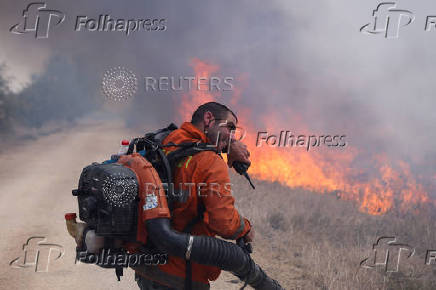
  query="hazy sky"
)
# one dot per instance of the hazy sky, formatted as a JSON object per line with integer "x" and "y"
{"x": 307, "y": 57}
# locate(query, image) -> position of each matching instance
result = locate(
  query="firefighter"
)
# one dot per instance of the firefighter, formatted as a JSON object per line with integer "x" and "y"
{"x": 211, "y": 123}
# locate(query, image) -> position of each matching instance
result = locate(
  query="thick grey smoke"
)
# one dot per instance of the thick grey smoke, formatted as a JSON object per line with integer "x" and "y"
{"x": 308, "y": 57}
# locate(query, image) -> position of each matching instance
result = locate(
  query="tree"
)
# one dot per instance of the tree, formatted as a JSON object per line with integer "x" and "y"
{"x": 6, "y": 102}
{"x": 61, "y": 92}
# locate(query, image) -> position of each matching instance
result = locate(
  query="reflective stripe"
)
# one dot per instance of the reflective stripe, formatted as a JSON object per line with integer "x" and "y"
{"x": 187, "y": 162}
{"x": 240, "y": 229}
{"x": 179, "y": 165}
{"x": 189, "y": 248}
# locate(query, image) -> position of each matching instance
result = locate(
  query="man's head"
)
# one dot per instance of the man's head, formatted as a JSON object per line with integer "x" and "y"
{"x": 216, "y": 121}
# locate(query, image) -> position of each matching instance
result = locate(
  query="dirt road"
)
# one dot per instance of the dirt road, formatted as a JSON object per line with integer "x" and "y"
{"x": 36, "y": 179}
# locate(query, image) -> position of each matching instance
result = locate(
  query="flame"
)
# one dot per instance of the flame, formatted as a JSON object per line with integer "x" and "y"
{"x": 200, "y": 93}
{"x": 323, "y": 171}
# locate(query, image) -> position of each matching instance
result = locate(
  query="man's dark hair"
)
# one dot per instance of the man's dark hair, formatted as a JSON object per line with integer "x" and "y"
{"x": 219, "y": 111}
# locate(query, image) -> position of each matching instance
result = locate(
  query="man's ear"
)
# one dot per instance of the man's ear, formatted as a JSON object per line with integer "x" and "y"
{"x": 207, "y": 118}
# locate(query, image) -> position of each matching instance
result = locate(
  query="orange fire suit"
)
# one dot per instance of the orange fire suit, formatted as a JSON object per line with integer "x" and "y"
{"x": 205, "y": 178}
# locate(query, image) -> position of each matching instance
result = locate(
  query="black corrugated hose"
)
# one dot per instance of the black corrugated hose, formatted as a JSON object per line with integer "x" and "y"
{"x": 210, "y": 251}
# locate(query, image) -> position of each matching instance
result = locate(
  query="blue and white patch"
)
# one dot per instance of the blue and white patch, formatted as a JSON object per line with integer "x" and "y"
{"x": 150, "y": 201}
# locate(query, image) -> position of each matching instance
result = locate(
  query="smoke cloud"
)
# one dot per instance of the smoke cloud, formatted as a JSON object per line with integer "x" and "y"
{"x": 304, "y": 59}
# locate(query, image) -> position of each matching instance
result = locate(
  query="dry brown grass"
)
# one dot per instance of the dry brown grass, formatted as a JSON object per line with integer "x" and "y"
{"x": 308, "y": 240}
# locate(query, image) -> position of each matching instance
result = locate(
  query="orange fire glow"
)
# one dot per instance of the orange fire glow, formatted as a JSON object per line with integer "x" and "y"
{"x": 320, "y": 171}
{"x": 200, "y": 94}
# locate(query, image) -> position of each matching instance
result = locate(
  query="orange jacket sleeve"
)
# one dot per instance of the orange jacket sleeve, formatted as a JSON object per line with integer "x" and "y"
{"x": 216, "y": 194}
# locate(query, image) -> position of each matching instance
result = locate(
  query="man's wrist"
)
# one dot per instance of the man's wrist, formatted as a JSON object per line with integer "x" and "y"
{"x": 247, "y": 228}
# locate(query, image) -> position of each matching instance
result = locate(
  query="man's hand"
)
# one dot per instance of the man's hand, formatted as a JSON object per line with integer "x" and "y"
{"x": 238, "y": 152}
{"x": 249, "y": 237}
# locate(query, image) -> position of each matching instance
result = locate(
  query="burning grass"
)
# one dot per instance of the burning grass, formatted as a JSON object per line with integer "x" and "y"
{"x": 309, "y": 234}
{"x": 315, "y": 241}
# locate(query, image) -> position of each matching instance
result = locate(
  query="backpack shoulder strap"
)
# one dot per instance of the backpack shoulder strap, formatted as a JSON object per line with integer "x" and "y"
{"x": 200, "y": 214}
{"x": 188, "y": 228}
{"x": 187, "y": 149}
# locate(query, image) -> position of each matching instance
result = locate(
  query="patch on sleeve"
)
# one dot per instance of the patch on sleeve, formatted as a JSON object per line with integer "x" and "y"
{"x": 150, "y": 201}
